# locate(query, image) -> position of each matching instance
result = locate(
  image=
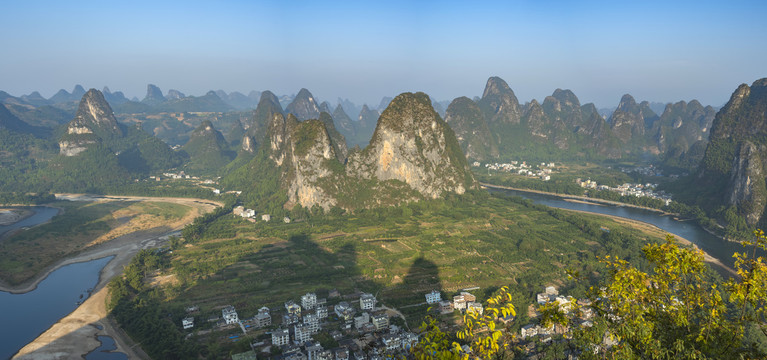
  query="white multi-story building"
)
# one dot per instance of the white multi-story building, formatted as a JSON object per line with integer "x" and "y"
{"x": 433, "y": 297}
{"x": 309, "y": 301}
{"x": 321, "y": 311}
{"x": 230, "y": 315}
{"x": 263, "y": 318}
{"x": 312, "y": 322}
{"x": 367, "y": 301}
{"x": 381, "y": 321}
{"x": 302, "y": 333}
{"x": 280, "y": 337}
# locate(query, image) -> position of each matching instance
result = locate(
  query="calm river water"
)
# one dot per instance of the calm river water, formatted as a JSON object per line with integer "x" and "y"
{"x": 25, "y": 316}
{"x": 689, "y": 230}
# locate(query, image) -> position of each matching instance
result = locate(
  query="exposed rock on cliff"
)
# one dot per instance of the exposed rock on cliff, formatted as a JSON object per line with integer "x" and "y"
{"x": 734, "y": 161}
{"x": 466, "y": 119}
{"x": 414, "y": 145}
{"x": 498, "y": 103}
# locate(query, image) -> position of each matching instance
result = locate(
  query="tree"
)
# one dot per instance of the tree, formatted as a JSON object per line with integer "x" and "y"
{"x": 480, "y": 333}
{"x": 676, "y": 310}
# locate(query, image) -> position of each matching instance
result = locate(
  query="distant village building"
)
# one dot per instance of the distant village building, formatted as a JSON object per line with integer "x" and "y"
{"x": 187, "y": 323}
{"x": 286, "y": 220}
{"x": 266, "y": 217}
{"x": 344, "y": 310}
{"x": 367, "y": 301}
{"x": 292, "y": 308}
{"x": 309, "y": 301}
{"x": 302, "y": 333}
{"x": 280, "y": 337}
{"x": 381, "y": 321}
{"x": 475, "y": 307}
{"x": 263, "y": 318}
{"x": 230, "y": 315}
{"x": 445, "y": 307}
{"x": 321, "y": 311}
{"x": 361, "y": 320}
{"x": 312, "y": 322}
{"x": 549, "y": 294}
{"x": 433, "y": 297}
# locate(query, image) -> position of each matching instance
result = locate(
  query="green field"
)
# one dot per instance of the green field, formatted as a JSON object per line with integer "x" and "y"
{"x": 474, "y": 240}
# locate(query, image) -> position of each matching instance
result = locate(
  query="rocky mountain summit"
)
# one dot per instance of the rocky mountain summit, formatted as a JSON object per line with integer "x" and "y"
{"x": 413, "y": 154}
{"x": 735, "y": 159}
{"x": 94, "y": 121}
{"x": 304, "y": 106}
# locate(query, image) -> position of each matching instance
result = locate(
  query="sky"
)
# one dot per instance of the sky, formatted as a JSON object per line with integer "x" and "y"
{"x": 663, "y": 51}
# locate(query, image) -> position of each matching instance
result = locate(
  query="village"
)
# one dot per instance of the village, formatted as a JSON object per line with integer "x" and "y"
{"x": 355, "y": 326}
{"x": 541, "y": 171}
{"x": 628, "y": 189}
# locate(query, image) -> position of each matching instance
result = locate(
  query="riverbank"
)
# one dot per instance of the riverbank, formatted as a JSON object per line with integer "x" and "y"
{"x": 579, "y": 198}
{"x": 650, "y": 228}
{"x": 13, "y": 215}
{"x": 76, "y": 334}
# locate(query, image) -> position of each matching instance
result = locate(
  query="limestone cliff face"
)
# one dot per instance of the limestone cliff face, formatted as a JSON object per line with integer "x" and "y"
{"x": 414, "y": 145}
{"x": 737, "y": 152}
{"x": 471, "y": 130}
{"x": 536, "y": 120}
{"x": 268, "y": 106}
{"x": 338, "y": 140}
{"x": 93, "y": 121}
{"x": 627, "y": 121}
{"x": 301, "y": 150}
{"x": 498, "y": 103}
{"x": 746, "y": 188}
{"x": 413, "y": 154}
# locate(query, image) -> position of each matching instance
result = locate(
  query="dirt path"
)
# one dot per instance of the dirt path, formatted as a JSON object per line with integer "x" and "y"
{"x": 75, "y": 334}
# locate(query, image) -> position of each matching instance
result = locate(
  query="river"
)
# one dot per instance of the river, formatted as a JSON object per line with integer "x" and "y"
{"x": 41, "y": 215}
{"x": 713, "y": 245}
{"x": 25, "y": 316}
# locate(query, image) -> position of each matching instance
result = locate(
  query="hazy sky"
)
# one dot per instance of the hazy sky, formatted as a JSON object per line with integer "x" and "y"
{"x": 658, "y": 51}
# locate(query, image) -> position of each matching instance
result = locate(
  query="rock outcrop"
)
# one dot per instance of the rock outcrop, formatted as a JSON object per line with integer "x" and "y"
{"x": 412, "y": 144}
{"x": 153, "y": 95}
{"x": 268, "y": 106}
{"x": 94, "y": 121}
{"x": 471, "y": 130}
{"x": 498, "y": 103}
{"x": 736, "y": 154}
{"x": 413, "y": 154}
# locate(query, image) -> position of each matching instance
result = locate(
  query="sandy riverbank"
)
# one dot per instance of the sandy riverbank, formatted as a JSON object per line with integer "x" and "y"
{"x": 75, "y": 335}
{"x": 12, "y": 216}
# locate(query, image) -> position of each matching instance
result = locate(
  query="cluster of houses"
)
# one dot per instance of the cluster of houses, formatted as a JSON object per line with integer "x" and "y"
{"x": 250, "y": 215}
{"x": 464, "y": 302}
{"x": 580, "y": 309}
{"x": 542, "y": 171}
{"x": 628, "y": 189}
{"x": 358, "y": 326}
